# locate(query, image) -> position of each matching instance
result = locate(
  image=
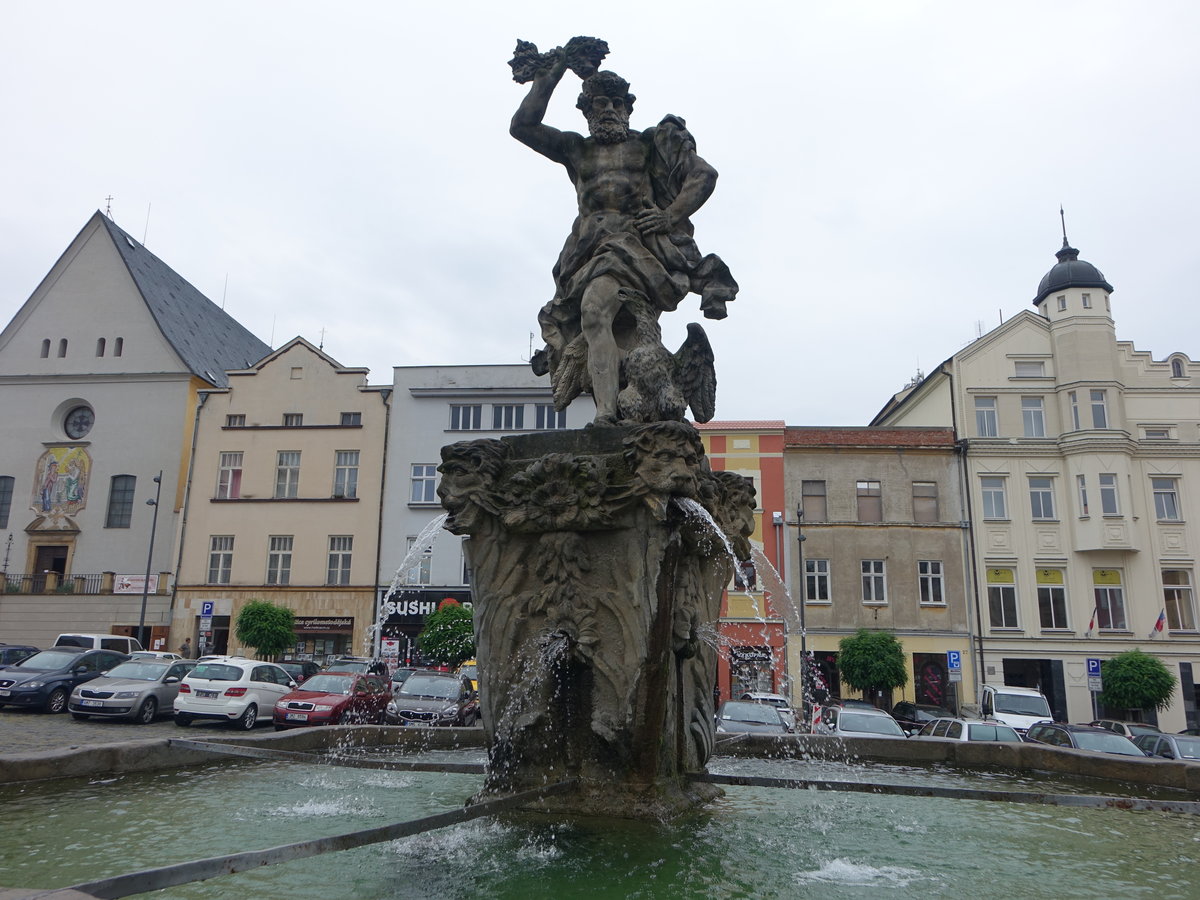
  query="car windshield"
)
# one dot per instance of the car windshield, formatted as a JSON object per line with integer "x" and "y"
{"x": 432, "y": 687}
{"x": 217, "y": 672}
{"x": 358, "y": 668}
{"x": 330, "y": 684}
{"x": 401, "y": 675}
{"x": 992, "y": 733}
{"x": 857, "y": 722}
{"x": 750, "y": 712}
{"x": 1143, "y": 729}
{"x": 1023, "y": 705}
{"x": 139, "y": 670}
{"x": 49, "y": 659}
{"x": 1189, "y": 747}
{"x": 928, "y": 713}
{"x": 1106, "y": 742}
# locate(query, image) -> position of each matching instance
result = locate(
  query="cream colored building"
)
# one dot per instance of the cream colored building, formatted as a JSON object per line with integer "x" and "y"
{"x": 1083, "y": 461}
{"x": 283, "y": 502}
{"x": 884, "y": 549}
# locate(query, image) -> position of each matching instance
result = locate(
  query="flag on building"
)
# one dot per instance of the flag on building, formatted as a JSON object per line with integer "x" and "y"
{"x": 1092, "y": 622}
{"x": 1158, "y": 626}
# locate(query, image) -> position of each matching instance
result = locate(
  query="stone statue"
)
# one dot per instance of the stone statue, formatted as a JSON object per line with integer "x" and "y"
{"x": 630, "y": 255}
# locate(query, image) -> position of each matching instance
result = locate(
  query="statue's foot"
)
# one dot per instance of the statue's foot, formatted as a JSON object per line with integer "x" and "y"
{"x": 602, "y": 422}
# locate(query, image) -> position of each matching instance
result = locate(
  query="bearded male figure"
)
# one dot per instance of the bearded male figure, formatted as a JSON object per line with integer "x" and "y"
{"x": 630, "y": 255}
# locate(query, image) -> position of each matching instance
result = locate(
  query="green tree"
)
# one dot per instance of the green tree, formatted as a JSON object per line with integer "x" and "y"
{"x": 266, "y": 627}
{"x": 1136, "y": 680}
{"x": 449, "y": 634}
{"x": 872, "y": 661}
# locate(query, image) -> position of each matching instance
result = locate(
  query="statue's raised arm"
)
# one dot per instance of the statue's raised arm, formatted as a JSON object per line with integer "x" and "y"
{"x": 582, "y": 55}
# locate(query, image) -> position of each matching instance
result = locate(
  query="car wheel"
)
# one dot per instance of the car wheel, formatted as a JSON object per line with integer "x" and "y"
{"x": 247, "y": 720}
{"x": 147, "y": 711}
{"x": 183, "y": 720}
{"x": 57, "y": 701}
{"x": 79, "y": 717}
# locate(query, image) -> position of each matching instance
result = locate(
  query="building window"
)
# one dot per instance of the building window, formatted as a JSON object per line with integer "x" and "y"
{"x": 235, "y": 421}
{"x": 119, "y": 346}
{"x": 424, "y": 483}
{"x": 62, "y": 347}
{"x": 1177, "y": 368}
{"x": 466, "y": 418}
{"x": 986, "y": 424}
{"x": 874, "y": 582}
{"x": 279, "y": 559}
{"x": 293, "y": 420}
{"x": 1081, "y": 487}
{"x": 509, "y": 416}
{"x": 925, "y": 501}
{"x": 548, "y": 418}
{"x": 816, "y": 581}
{"x": 995, "y": 504}
{"x": 287, "y": 474}
{"x": 1110, "y": 599}
{"x": 120, "y": 501}
{"x": 1030, "y": 369}
{"x": 1177, "y": 598}
{"x": 1087, "y": 301}
{"x": 229, "y": 476}
{"x": 1033, "y": 417}
{"x": 345, "y": 473}
{"x": 220, "y": 558}
{"x": 351, "y": 419}
{"x": 297, "y": 373}
{"x": 1099, "y": 409}
{"x": 1002, "y": 598}
{"x": 46, "y": 348}
{"x": 340, "y": 550}
{"x": 812, "y": 501}
{"x": 1041, "y": 497}
{"x": 1156, "y": 434}
{"x": 100, "y": 345}
{"x": 929, "y": 580}
{"x": 6, "y": 493}
{"x": 1073, "y": 400}
{"x": 1052, "y": 598}
{"x": 1062, "y": 302}
{"x": 870, "y": 501}
{"x": 1166, "y": 498}
{"x": 419, "y": 570}
{"x": 1110, "y": 504}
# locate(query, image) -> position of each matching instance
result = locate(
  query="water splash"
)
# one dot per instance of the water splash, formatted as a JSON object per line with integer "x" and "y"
{"x": 423, "y": 542}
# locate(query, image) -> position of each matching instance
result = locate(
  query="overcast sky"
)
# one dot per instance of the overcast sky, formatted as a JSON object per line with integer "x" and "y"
{"x": 890, "y": 180}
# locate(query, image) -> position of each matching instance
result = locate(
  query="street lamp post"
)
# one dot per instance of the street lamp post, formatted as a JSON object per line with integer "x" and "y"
{"x": 149, "y": 559}
{"x": 804, "y": 698}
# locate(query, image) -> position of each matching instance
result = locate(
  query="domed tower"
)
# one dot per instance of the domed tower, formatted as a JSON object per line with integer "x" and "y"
{"x": 1074, "y": 297}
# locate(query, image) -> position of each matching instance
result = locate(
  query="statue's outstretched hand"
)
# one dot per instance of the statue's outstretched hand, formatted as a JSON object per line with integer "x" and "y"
{"x": 653, "y": 221}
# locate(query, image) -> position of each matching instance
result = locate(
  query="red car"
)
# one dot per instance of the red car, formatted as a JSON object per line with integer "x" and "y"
{"x": 334, "y": 698}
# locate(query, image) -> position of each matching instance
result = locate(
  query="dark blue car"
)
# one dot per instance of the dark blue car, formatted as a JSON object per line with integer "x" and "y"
{"x": 14, "y": 653}
{"x": 45, "y": 680}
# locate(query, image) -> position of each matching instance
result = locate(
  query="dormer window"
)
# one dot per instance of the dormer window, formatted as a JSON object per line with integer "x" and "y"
{"x": 1177, "y": 368}
{"x": 1030, "y": 369}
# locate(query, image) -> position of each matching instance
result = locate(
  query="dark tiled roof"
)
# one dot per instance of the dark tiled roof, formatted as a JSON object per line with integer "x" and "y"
{"x": 207, "y": 339}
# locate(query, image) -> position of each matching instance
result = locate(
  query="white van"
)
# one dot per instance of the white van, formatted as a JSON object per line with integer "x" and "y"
{"x": 1019, "y": 707}
{"x": 118, "y": 642}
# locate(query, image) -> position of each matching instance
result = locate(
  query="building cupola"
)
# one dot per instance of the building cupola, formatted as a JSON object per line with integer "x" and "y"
{"x": 1070, "y": 272}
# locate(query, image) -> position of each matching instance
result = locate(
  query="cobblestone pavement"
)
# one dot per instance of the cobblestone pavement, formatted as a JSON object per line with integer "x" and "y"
{"x": 29, "y": 731}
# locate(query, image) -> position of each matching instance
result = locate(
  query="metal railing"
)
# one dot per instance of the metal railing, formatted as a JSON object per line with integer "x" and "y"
{"x": 54, "y": 583}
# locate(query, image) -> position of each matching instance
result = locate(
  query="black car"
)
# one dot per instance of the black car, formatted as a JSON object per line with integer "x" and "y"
{"x": 14, "y": 653}
{"x": 46, "y": 679}
{"x": 357, "y": 665}
{"x": 434, "y": 698}
{"x": 299, "y": 669}
{"x": 915, "y": 716}
{"x": 1082, "y": 737}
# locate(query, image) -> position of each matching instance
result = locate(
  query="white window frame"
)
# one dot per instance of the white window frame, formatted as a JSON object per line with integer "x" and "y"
{"x": 421, "y": 572}
{"x": 279, "y": 558}
{"x": 817, "y": 587}
{"x": 1052, "y": 599}
{"x": 341, "y": 554}
{"x": 1110, "y": 599}
{"x": 1166, "y": 497}
{"x": 874, "y": 582}
{"x": 423, "y": 482}
{"x": 1099, "y": 403}
{"x": 994, "y": 489}
{"x": 220, "y": 558}
{"x": 508, "y": 416}
{"x": 1033, "y": 368}
{"x": 1041, "y": 497}
{"x": 1110, "y": 494}
{"x": 931, "y": 585}
{"x": 1081, "y": 491}
{"x": 229, "y": 475}
{"x": 1073, "y": 402}
{"x": 547, "y": 418}
{"x": 287, "y": 474}
{"x": 1002, "y": 598}
{"x": 1179, "y": 601}
{"x": 1033, "y": 417}
{"x": 987, "y": 423}
{"x": 466, "y": 416}
{"x": 345, "y": 473}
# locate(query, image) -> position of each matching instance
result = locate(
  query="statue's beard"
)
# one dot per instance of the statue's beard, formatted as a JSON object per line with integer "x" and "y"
{"x": 609, "y": 130}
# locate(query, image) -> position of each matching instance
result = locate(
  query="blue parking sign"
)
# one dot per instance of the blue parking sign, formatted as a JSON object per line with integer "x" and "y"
{"x": 953, "y": 659}
{"x": 1093, "y": 667}
{"x": 206, "y": 609}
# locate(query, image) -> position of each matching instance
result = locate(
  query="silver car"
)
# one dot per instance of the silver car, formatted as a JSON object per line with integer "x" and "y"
{"x": 138, "y": 689}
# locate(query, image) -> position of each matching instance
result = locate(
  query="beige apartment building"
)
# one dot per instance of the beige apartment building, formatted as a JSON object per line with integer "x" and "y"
{"x": 1082, "y": 456}
{"x": 884, "y": 548}
{"x": 283, "y": 503}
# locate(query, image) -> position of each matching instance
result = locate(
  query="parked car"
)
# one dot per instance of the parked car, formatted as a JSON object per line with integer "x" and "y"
{"x": 915, "y": 716}
{"x": 138, "y": 689}
{"x": 360, "y": 665}
{"x": 434, "y": 698}
{"x": 1019, "y": 707}
{"x": 470, "y": 669}
{"x": 780, "y": 702}
{"x": 956, "y": 729}
{"x": 858, "y": 722}
{"x": 46, "y": 679}
{"x": 749, "y": 716}
{"x": 14, "y": 653}
{"x": 1082, "y": 737}
{"x": 153, "y": 654}
{"x": 1170, "y": 746}
{"x": 399, "y": 676}
{"x": 118, "y": 642}
{"x": 1129, "y": 729}
{"x": 233, "y": 689}
{"x": 300, "y": 669}
{"x": 334, "y": 698}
